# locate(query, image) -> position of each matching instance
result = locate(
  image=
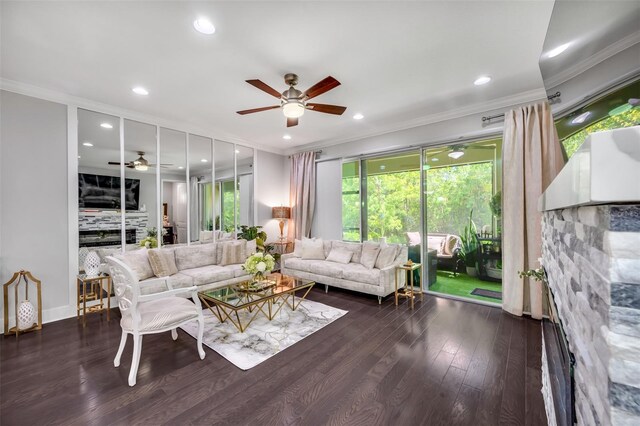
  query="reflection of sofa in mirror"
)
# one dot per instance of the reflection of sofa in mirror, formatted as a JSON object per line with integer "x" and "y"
{"x": 447, "y": 248}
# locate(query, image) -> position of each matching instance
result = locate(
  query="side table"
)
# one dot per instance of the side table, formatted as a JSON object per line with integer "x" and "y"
{"x": 407, "y": 291}
{"x": 96, "y": 292}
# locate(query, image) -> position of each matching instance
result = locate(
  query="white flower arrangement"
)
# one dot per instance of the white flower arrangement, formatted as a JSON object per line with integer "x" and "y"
{"x": 259, "y": 264}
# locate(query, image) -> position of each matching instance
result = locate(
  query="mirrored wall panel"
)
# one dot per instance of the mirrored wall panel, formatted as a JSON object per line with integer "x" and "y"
{"x": 173, "y": 184}
{"x": 225, "y": 189}
{"x": 99, "y": 195}
{"x": 200, "y": 188}
{"x": 140, "y": 164}
{"x": 244, "y": 187}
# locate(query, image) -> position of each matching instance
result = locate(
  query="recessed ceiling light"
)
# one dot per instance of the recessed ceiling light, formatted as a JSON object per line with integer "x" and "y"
{"x": 204, "y": 26}
{"x": 455, "y": 154}
{"x": 237, "y": 151}
{"x": 434, "y": 159}
{"x": 180, "y": 167}
{"x": 106, "y": 125}
{"x": 581, "y": 118}
{"x": 87, "y": 144}
{"x": 204, "y": 160}
{"x": 558, "y": 50}
{"x": 287, "y": 137}
{"x": 483, "y": 79}
{"x": 382, "y": 167}
{"x": 358, "y": 116}
{"x": 139, "y": 90}
{"x": 78, "y": 157}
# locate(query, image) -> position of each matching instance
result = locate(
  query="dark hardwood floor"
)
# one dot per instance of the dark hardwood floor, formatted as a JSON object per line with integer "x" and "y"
{"x": 444, "y": 363}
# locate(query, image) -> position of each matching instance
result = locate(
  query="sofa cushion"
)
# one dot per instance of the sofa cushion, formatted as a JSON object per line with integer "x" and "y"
{"x": 326, "y": 245}
{"x": 138, "y": 261}
{"x": 189, "y": 257}
{"x": 450, "y": 244}
{"x": 237, "y": 270}
{"x": 163, "y": 262}
{"x": 356, "y": 248}
{"x": 233, "y": 253}
{"x": 360, "y": 273}
{"x": 209, "y": 274}
{"x": 340, "y": 255}
{"x": 298, "y": 264}
{"x": 206, "y": 236}
{"x": 325, "y": 268}
{"x": 387, "y": 256}
{"x": 369, "y": 254}
{"x": 176, "y": 281}
{"x": 313, "y": 250}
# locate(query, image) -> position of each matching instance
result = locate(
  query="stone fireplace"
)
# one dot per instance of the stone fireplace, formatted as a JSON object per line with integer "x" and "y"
{"x": 591, "y": 254}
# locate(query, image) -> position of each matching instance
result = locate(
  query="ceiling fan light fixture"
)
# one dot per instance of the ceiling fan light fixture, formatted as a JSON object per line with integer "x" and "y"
{"x": 455, "y": 154}
{"x": 141, "y": 167}
{"x": 204, "y": 26}
{"x": 293, "y": 109}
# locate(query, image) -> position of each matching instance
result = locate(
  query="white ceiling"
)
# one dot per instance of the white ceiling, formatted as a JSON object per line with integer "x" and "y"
{"x": 398, "y": 62}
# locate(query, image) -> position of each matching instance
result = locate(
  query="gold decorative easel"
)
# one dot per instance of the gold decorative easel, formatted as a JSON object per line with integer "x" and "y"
{"x": 16, "y": 279}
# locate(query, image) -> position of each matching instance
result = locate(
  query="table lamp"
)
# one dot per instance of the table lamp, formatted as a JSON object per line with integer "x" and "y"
{"x": 281, "y": 213}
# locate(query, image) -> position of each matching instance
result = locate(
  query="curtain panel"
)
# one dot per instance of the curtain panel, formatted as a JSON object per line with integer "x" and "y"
{"x": 532, "y": 157}
{"x": 302, "y": 194}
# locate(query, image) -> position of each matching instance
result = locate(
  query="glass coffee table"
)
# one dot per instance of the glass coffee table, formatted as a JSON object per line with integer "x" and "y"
{"x": 267, "y": 297}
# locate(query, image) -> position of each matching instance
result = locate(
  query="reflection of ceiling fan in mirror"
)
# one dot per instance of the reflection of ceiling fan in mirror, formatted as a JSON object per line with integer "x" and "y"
{"x": 294, "y": 102}
{"x": 141, "y": 164}
{"x": 457, "y": 151}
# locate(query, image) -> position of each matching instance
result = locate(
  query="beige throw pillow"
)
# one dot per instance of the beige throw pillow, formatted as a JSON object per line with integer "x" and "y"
{"x": 387, "y": 256}
{"x": 340, "y": 256}
{"x": 313, "y": 249}
{"x": 138, "y": 262}
{"x": 233, "y": 253}
{"x": 251, "y": 248}
{"x": 163, "y": 262}
{"x": 369, "y": 255}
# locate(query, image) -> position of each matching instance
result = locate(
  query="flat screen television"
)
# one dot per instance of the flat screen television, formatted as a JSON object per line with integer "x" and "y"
{"x": 103, "y": 192}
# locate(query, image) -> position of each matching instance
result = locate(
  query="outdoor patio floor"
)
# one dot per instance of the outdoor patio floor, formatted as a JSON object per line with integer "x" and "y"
{"x": 462, "y": 285}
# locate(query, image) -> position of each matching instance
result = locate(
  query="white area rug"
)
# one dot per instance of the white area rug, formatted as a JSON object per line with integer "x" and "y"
{"x": 263, "y": 338}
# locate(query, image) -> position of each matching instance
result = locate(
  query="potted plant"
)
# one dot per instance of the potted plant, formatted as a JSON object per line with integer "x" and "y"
{"x": 496, "y": 209}
{"x": 256, "y": 233}
{"x": 469, "y": 249}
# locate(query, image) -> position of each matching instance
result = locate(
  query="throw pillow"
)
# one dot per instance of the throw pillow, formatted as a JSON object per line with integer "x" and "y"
{"x": 450, "y": 244}
{"x": 387, "y": 256}
{"x": 298, "y": 244}
{"x": 340, "y": 256}
{"x": 138, "y": 261}
{"x": 195, "y": 256}
{"x": 233, "y": 253}
{"x": 356, "y": 248}
{"x": 163, "y": 262}
{"x": 369, "y": 255}
{"x": 313, "y": 249}
{"x": 251, "y": 248}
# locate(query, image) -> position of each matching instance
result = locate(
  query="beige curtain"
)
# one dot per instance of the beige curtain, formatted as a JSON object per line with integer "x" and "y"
{"x": 302, "y": 194}
{"x": 532, "y": 157}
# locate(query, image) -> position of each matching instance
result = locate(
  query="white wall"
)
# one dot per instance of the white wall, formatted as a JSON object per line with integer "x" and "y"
{"x": 272, "y": 189}
{"x": 34, "y": 231}
{"x": 327, "y": 220}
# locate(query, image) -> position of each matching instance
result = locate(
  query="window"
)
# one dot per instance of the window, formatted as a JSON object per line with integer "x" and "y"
{"x": 351, "y": 201}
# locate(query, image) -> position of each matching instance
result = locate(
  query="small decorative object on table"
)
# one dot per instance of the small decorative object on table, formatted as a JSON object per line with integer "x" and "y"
{"x": 92, "y": 264}
{"x": 27, "y": 316}
{"x": 259, "y": 265}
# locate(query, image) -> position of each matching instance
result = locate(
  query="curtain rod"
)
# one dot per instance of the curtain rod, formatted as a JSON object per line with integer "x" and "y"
{"x": 491, "y": 117}
{"x": 318, "y": 152}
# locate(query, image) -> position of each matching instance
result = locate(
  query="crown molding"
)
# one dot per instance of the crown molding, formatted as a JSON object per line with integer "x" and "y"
{"x": 488, "y": 107}
{"x": 593, "y": 60}
{"x": 70, "y": 100}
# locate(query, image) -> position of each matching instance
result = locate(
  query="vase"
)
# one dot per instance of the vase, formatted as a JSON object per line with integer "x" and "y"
{"x": 26, "y": 315}
{"x": 92, "y": 264}
{"x": 258, "y": 276}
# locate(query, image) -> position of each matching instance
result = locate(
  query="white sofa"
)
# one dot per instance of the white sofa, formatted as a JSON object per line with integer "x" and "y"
{"x": 197, "y": 265}
{"x": 350, "y": 276}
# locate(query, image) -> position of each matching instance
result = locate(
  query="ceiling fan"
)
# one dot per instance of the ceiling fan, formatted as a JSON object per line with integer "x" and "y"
{"x": 457, "y": 151}
{"x": 294, "y": 102}
{"x": 141, "y": 164}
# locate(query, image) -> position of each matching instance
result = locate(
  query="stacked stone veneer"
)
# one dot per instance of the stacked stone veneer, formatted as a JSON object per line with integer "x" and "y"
{"x": 592, "y": 258}
{"x": 98, "y": 221}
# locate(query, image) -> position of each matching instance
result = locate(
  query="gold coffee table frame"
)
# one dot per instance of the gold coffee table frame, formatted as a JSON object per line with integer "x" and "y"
{"x": 226, "y": 302}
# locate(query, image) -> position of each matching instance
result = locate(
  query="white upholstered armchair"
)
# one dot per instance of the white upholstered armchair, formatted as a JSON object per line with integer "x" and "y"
{"x": 151, "y": 313}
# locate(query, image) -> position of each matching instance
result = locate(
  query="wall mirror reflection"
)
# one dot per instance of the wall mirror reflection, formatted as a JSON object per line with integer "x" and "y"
{"x": 200, "y": 189}
{"x": 99, "y": 195}
{"x": 244, "y": 185}
{"x": 173, "y": 184}
{"x": 225, "y": 193}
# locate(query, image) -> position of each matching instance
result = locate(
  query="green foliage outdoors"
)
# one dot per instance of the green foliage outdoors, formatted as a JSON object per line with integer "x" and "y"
{"x": 626, "y": 119}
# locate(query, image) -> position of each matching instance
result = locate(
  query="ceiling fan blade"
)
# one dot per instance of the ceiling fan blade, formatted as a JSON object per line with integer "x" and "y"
{"x": 292, "y": 122}
{"x": 251, "y": 111}
{"x": 328, "y": 109}
{"x": 265, "y": 88}
{"x": 114, "y": 163}
{"x": 321, "y": 87}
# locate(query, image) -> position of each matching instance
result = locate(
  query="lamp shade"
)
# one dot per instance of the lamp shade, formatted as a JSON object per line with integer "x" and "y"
{"x": 281, "y": 212}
